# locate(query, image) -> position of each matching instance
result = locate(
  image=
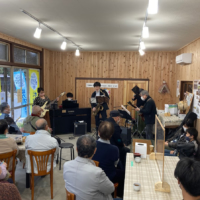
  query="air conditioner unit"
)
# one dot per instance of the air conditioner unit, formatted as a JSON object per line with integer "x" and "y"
{"x": 184, "y": 59}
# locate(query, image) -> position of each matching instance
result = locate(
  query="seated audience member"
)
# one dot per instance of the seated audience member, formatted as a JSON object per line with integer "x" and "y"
{"x": 5, "y": 110}
{"x": 83, "y": 178}
{"x": 40, "y": 141}
{"x": 9, "y": 191}
{"x": 116, "y": 139}
{"x": 4, "y": 174}
{"x": 187, "y": 146}
{"x": 69, "y": 96}
{"x": 181, "y": 132}
{"x": 108, "y": 156}
{"x": 29, "y": 122}
{"x": 13, "y": 128}
{"x": 6, "y": 144}
{"x": 188, "y": 176}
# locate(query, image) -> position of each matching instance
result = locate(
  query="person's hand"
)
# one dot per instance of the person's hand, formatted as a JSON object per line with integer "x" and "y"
{"x": 5, "y": 164}
{"x": 137, "y": 109}
{"x": 94, "y": 109}
{"x": 166, "y": 143}
{"x": 57, "y": 98}
{"x": 171, "y": 152}
{"x": 124, "y": 145}
{"x": 50, "y": 130}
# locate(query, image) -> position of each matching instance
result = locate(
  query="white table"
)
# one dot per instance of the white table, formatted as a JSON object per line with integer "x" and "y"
{"x": 146, "y": 173}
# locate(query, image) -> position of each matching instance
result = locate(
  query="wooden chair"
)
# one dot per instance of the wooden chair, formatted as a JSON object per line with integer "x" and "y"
{"x": 32, "y": 133}
{"x": 41, "y": 159}
{"x": 116, "y": 184}
{"x": 70, "y": 196}
{"x": 6, "y": 158}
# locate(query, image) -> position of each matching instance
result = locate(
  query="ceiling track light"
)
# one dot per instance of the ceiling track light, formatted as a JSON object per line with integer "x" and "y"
{"x": 64, "y": 45}
{"x": 142, "y": 45}
{"x": 47, "y": 26}
{"x": 38, "y": 31}
{"x": 141, "y": 52}
{"x": 77, "y": 53}
{"x": 153, "y": 7}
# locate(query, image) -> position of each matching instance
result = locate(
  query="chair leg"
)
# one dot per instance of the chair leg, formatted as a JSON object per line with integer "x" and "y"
{"x": 60, "y": 158}
{"x": 51, "y": 183}
{"x": 32, "y": 187}
{"x": 71, "y": 152}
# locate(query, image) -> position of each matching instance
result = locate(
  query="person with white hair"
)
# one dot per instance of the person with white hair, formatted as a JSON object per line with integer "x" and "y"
{"x": 149, "y": 112}
{"x": 40, "y": 141}
{"x": 29, "y": 122}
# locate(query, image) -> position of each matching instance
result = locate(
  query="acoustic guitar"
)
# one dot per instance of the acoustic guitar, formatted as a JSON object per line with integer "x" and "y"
{"x": 44, "y": 107}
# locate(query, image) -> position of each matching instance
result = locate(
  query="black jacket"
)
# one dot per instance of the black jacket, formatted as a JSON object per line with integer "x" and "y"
{"x": 149, "y": 111}
{"x": 116, "y": 137}
{"x": 184, "y": 148}
{"x": 102, "y": 92}
{"x": 177, "y": 135}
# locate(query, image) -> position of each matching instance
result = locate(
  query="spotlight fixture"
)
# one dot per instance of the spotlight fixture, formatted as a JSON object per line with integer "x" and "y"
{"x": 77, "y": 53}
{"x": 142, "y": 46}
{"x": 145, "y": 32}
{"x": 141, "y": 52}
{"x": 153, "y": 7}
{"x": 38, "y": 31}
{"x": 63, "y": 45}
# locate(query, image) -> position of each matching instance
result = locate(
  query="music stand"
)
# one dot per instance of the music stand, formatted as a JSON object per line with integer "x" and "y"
{"x": 125, "y": 115}
{"x": 102, "y": 99}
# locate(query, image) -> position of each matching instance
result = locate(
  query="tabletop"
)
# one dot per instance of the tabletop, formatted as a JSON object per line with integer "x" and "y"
{"x": 147, "y": 174}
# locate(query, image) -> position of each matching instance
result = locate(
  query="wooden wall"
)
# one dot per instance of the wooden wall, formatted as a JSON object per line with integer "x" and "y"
{"x": 61, "y": 68}
{"x": 190, "y": 72}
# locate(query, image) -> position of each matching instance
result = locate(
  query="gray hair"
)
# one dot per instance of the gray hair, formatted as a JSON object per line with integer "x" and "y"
{"x": 41, "y": 124}
{"x": 86, "y": 146}
{"x": 144, "y": 92}
{"x": 36, "y": 109}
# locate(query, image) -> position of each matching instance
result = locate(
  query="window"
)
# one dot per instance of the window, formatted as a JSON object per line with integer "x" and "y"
{"x": 4, "y": 51}
{"x": 25, "y": 56}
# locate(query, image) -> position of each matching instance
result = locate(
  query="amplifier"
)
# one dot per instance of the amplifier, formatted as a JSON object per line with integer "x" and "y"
{"x": 126, "y": 135}
{"x": 80, "y": 128}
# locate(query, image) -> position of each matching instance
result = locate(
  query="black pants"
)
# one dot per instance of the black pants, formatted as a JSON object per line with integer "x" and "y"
{"x": 122, "y": 154}
{"x": 119, "y": 178}
{"x": 103, "y": 117}
{"x": 149, "y": 131}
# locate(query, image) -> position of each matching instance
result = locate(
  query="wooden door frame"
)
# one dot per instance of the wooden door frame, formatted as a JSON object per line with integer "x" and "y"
{"x": 181, "y": 83}
{"x": 110, "y": 79}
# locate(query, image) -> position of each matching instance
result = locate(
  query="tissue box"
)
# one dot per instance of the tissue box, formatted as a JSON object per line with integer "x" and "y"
{"x": 141, "y": 148}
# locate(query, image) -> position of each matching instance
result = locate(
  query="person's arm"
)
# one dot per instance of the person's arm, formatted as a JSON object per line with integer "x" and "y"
{"x": 35, "y": 101}
{"x": 106, "y": 94}
{"x": 104, "y": 185}
{"x": 175, "y": 135}
{"x": 147, "y": 109}
{"x": 172, "y": 145}
{"x": 3, "y": 171}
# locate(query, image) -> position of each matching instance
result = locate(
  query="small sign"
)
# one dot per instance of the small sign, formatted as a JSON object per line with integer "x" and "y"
{"x": 103, "y": 85}
{"x": 19, "y": 95}
{"x": 63, "y": 111}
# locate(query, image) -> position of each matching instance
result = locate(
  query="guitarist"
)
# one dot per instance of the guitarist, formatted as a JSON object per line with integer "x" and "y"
{"x": 99, "y": 92}
{"x": 41, "y": 98}
{"x": 149, "y": 112}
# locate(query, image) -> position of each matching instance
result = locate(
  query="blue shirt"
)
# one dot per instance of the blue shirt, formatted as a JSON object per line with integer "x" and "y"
{"x": 107, "y": 155}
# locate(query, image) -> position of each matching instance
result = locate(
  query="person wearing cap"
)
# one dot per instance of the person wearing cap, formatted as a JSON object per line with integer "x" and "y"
{"x": 137, "y": 96}
{"x": 116, "y": 139}
{"x": 99, "y": 92}
{"x": 149, "y": 112}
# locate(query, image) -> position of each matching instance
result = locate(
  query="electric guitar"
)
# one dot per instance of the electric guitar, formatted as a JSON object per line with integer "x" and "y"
{"x": 44, "y": 109}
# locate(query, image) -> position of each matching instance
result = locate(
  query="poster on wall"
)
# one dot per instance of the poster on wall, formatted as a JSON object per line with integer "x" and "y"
{"x": 34, "y": 78}
{"x": 196, "y": 101}
{"x": 20, "y": 83}
{"x": 177, "y": 88}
